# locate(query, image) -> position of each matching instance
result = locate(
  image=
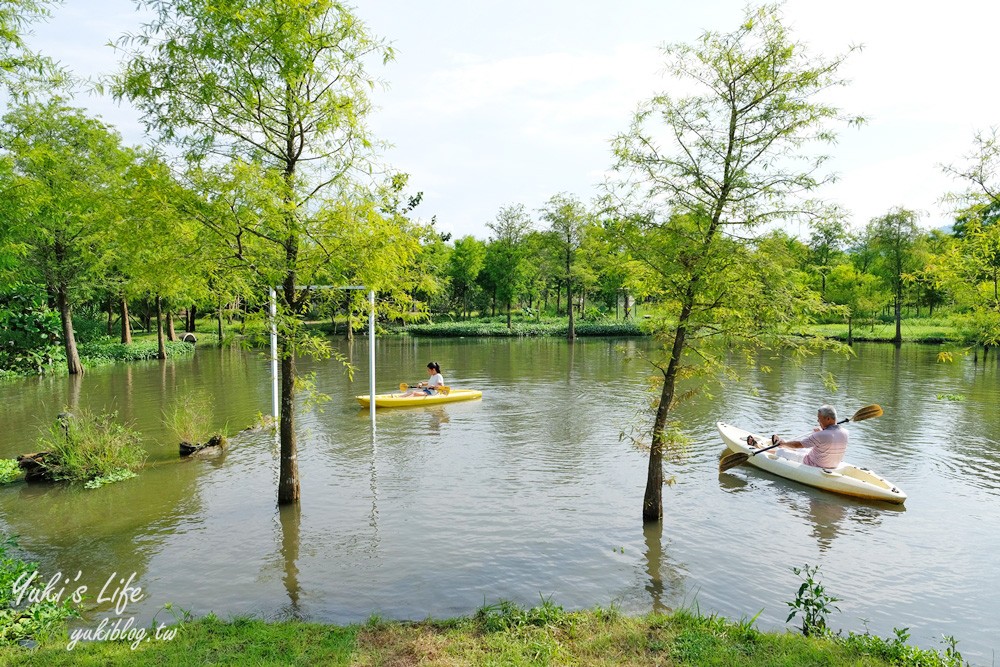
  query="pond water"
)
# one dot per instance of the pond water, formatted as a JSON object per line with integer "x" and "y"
{"x": 528, "y": 493}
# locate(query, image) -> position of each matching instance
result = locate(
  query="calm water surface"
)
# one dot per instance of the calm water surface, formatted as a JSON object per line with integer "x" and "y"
{"x": 528, "y": 493}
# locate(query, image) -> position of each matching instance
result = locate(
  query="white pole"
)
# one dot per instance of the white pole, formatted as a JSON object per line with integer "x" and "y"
{"x": 371, "y": 355}
{"x": 274, "y": 356}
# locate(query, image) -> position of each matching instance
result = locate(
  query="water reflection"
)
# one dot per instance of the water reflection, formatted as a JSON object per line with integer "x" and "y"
{"x": 653, "y": 532}
{"x": 825, "y": 516}
{"x": 530, "y": 490}
{"x": 290, "y": 520}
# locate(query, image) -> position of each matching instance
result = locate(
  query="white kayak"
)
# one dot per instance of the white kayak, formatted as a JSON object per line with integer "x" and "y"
{"x": 846, "y": 479}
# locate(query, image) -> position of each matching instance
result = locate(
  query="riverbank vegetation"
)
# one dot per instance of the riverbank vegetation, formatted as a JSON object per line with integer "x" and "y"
{"x": 33, "y": 631}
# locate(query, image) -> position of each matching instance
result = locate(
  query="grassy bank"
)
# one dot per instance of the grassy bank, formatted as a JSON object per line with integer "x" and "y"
{"x": 104, "y": 351}
{"x": 519, "y": 328}
{"x": 545, "y": 635}
{"x": 912, "y": 330}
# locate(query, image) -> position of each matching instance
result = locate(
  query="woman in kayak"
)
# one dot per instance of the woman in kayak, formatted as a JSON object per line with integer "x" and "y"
{"x": 823, "y": 448}
{"x": 433, "y": 383}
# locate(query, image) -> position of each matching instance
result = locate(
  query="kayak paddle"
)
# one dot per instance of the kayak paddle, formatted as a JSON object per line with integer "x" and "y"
{"x": 739, "y": 458}
{"x": 443, "y": 390}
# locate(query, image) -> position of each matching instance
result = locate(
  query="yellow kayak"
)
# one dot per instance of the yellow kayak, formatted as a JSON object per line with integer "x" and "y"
{"x": 400, "y": 401}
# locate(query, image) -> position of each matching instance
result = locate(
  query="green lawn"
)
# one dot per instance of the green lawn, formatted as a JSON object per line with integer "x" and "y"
{"x": 542, "y": 636}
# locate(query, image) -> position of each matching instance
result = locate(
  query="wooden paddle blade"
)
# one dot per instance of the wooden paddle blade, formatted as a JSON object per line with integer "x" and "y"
{"x": 867, "y": 412}
{"x": 732, "y": 460}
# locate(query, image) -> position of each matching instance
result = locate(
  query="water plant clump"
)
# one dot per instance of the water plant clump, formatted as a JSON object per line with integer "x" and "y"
{"x": 10, "y": 471}
{"x": 190, "y": 418}
{"x": 84, "y": 447}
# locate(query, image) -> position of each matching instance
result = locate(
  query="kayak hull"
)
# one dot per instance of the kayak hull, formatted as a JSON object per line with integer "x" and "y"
{"x": 845, "y": 479}
{"x": 400, "y": 401}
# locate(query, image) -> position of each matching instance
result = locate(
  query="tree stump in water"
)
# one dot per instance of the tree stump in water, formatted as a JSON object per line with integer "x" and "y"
{"x": 216, "y": 443}
{"x": 34, "y": 467}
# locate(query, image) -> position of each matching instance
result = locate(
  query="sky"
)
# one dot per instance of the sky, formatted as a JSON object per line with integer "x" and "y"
{"x": 493, "y": 104}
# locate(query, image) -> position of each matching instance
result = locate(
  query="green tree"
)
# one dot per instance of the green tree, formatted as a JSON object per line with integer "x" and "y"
{"x": 567, "y": 218}
{"x": 857, "y": 292}
{"x": 893, "y": 237}
{"x": 464, "y": 264}
{"x": 64, "y": 197}
{"x": 612, "y": 265}
{"x": 978, "y": 228}
{"x": 278, "y": 99}
{"x": 827, "y": 241}
{"x": 701, "y": 169}
{"x": 23, "y": 71}
{"x": 506, "y": 255}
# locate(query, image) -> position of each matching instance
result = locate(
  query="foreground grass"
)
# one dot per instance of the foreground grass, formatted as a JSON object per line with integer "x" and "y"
{"x": 598, "y": 637}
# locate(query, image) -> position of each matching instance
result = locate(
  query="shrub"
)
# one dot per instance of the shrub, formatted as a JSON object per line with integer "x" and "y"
{"x": 29, "y": 331}
{"x": 86, "y": 447}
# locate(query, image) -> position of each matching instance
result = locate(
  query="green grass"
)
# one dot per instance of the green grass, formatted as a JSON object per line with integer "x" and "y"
{"x": 501, "y": 634}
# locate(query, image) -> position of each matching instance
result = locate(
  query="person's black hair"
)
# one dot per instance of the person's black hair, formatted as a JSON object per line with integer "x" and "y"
{"x": 434, "y": 365}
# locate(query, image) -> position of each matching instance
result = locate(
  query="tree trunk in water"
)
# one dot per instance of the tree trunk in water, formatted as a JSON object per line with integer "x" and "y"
{"x": 161, "y": 345}
{"x": 171, "y": 333}
{"x": 192, "y": 315}
{"x": 69, "y": 339}
{"x": 111, "y": 316}
{"x": 652, "y": 503}
{"x": 571, "y": 331}
{"x": 850, "y": 330}
{"x": 558, "y": 300}
{"x": 898, "y": 340}
{"x": 126, "y": 325}
{"x": 508, "y": 315}
{"x": 219, "y": 322}
{"x": 288, "y": 466}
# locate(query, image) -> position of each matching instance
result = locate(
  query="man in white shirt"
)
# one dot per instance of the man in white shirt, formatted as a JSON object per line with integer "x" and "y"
{"x": 823, "y": 448}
